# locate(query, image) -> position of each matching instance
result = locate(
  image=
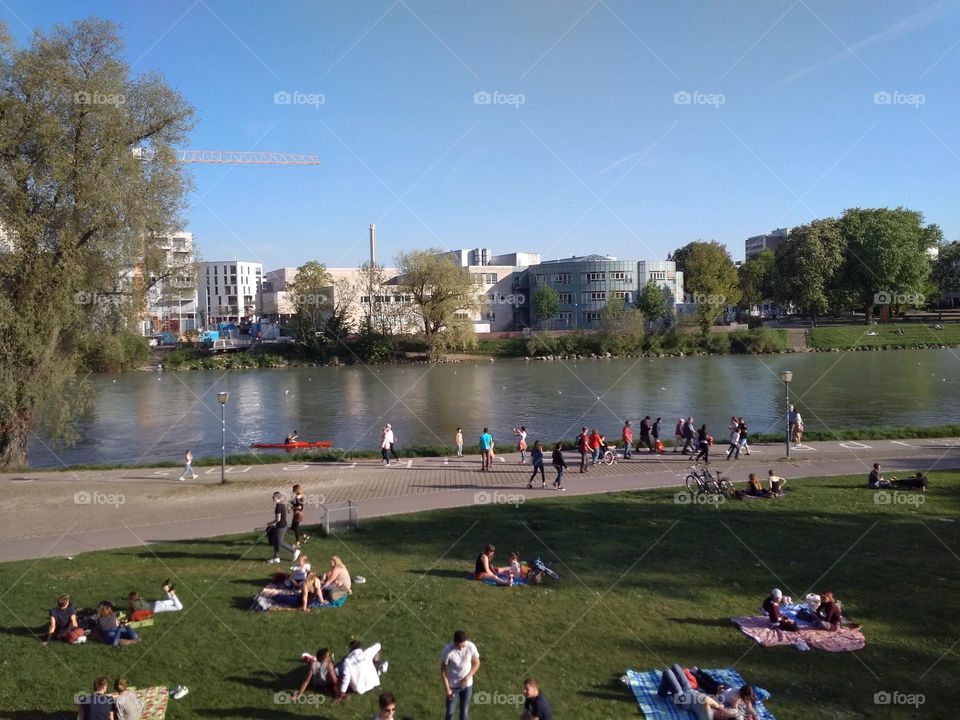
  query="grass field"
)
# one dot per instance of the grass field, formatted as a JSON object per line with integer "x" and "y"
{"x": 646, "y": 581}
{"x": 914, "y": 335}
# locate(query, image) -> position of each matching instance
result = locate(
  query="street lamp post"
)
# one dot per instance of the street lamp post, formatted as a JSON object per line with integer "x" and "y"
{"x": 223, "y": 397}
{"x": 786, "y": 377}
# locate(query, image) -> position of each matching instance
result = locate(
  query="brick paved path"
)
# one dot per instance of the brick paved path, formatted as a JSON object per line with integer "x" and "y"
{"x": 65, "y": 513}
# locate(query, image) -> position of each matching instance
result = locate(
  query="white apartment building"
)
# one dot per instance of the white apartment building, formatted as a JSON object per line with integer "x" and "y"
{"x": 769, "y": 241}
{"x": 502, "y": 286}
{"x": 229, "y": 291}
{"x": 171, "y": 302}
{"x": 276, "y": 300}
{"x": 663, "y": 273}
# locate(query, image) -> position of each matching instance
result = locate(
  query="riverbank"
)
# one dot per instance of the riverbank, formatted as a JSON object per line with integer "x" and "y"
{"x": 337, "y": 455}
{"x": 883, "y": 337}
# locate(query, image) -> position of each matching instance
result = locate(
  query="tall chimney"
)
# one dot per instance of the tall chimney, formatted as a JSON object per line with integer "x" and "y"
{"x": 373, "y": 246}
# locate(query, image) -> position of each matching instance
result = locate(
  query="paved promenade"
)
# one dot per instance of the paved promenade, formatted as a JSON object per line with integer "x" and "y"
{"x": 57, "y": 514}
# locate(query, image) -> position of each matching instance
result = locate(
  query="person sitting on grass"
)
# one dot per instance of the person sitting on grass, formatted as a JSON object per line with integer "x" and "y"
{"x": 359, "y": 670}
{"x": 141, "y": 609}
{"x": 754, "y": 488}
{"x": 876, "y": 481}
{"x": 63, "y": 621}
{"x": 299, "y": 573}
{"x": 311, "y": 586}
{"x": 336, "y": 582}
{"x": 514, "y": 570}
{"x": 98, "y": 705}
{"x": 742, "y": 699}
{"x": 771, "y": 606}
{"x": 112, "y": 631}
{"x": 485, "y": 571}
{"x": 828, "y": 614}
{"x": 128, "y": 704}
{"x": 776, "y": 483}
{"x": 321, "y": 674}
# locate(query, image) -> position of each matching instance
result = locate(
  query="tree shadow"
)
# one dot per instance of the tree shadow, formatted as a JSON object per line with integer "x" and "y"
{"x": 185, "y": 555}
{"x": 436, "y": 572}
{"x": 25, "y": 632}
{"x": 39, "y": 715}
{"x": 290, "y": 680}
{"x": 613, "y": 689}
{"x": 705, "y": 622}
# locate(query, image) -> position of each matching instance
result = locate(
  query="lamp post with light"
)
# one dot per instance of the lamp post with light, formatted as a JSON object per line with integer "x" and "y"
{"x": 786, "y": 377}
{"x": 223, "y": 397}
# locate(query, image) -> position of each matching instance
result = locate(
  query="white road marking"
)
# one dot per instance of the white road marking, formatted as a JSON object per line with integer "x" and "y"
{"x": 446, "y": 461}
{"x": 897, "y": 442}
{"x": 851, "y": 445}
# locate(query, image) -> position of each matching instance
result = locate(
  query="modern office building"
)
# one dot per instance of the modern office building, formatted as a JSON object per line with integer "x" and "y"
{"x": 171, "y": 299}
{"x": 229, "y": 291}
{"x": 769, "y": 241}
{"x": 586, "y": 284}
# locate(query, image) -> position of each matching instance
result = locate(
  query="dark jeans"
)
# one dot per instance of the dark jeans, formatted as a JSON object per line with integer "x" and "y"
{"x": 122, "y": 632}
{"x": 734, "y": 450}
{"x": 464, "y": 694}
{"x": 704, "y": 451}
{"x": 277, "y": 537}
{"x": 687, "y": 444}
{"x": 559, "y": 481}
{"x": 538, "y": 466}
{"x": 385, "y": 454}
{"x": 583, "y": 460}
{"x": 645, "y": 442}
{"x": 394, "y": 452}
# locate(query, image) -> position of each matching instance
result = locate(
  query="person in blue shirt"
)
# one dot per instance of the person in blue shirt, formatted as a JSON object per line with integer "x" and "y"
{"x": 535, "y": 705}
{"x": 486, "y": 450}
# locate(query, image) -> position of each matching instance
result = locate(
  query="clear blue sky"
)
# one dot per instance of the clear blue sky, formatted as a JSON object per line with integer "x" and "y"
{"x": 599, "y": 157}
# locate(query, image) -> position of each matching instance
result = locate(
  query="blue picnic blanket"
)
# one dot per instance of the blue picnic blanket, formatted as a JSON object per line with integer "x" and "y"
{"x": 516, "y": 581}
{"x": 646, "y": 684}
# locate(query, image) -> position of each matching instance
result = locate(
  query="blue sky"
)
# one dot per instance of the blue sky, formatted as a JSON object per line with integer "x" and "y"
{"x": 625, "y": 128}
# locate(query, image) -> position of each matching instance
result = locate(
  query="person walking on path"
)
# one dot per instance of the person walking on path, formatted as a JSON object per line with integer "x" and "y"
{"x": 742, "y": 440}
{"x": 627, "y": 437}
{"x": 596, "y": 442}
{"x": 521, "y": 432}
{"x": 297, "y": 502}
{"x": 536, "y": 459}
{"x": 458, "y": 439}
{"x": 386, "y": 442}
{"x": 678, "y": 434}
{"x": 486, "y": 450}
{"x": 655, "y": 431}
{"x": 188, "y": 466}
{"x": 583, "y": 445}
{"x": 560, "y": 465}
{"x": 393, "y": 439}
{"x": 703, "y": 443}
{"x": 459, "y": 662}
{"x": 792, "y": 420}
{"x": 797, "y": 428}
{"x": 689, "y": 436}
{"x": 734, "y": 430}
{"x": 277, "y": 529}
{"x": 645, "y": 434}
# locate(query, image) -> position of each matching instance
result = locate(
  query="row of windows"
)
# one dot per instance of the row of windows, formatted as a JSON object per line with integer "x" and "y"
{"x": 590, "y": 277}
{"x": 484, "y": 278}
{"x": 365, "y": 299}
{"x": 589, "y": 317}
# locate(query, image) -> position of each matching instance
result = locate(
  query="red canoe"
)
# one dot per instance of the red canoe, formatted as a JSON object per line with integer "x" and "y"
{"x": 294, "y": 445}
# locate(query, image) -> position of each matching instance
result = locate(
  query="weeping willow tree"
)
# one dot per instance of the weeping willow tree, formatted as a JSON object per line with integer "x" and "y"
{"x": 88, "y": 185}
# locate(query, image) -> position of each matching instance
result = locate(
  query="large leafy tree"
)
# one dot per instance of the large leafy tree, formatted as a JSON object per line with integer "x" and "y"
{"x": 440, "y": 289}
{"x": 79, "y": 208}
{"x": 756, "y": 275}
{"x": 711, "y": 277}
{"x": 653, "y": 302}
{"x": 806, "y": 264}
{"x": 946, "y": 269}
{"x": 317, "y": 325}
{"x": 886, "y": 255}
{"x": 546, "y": 304}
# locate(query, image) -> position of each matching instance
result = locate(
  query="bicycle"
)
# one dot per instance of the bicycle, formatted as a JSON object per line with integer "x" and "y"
{"x": 701, "y": 481}
{"x": 540, "y": 566}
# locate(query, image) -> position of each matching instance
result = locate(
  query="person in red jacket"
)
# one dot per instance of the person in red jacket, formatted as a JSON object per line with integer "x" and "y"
{"x": 627, "y": 437}
{"x": 595, "y": 444}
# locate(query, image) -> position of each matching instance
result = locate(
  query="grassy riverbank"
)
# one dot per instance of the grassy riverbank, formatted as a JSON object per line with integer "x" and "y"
{"x": 850, "y": 337}
{"x": 338, "y": 454}
{"x": 646, "y": 581}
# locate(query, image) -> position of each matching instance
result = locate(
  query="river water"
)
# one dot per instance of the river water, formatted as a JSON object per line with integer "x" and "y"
{"x": 149, "y": 416}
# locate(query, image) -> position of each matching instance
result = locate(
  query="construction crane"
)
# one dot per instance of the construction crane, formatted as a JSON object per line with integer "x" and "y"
{"x": 234, "y": 157}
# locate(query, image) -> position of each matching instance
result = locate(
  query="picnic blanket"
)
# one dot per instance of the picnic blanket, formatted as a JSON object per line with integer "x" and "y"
{"x": 277, "y": 597}
{"x": 516, "y": 581}
{"x": 843, "y": 640}
{"x": 154, "y": 701}
{"x": 645, "y": 685}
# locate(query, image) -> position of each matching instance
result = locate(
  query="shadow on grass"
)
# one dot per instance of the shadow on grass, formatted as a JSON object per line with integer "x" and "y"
{"x": 705, "y": 622}
{"x": 186, "y": 555}
{"x": 268, "y": 681}
{"x": 434, "y": 572}
{"x": 252, "y": 713}
{"x": 613, "y": 690}
{"x": 38, "y": 715}
{"x": 24, "y": 632}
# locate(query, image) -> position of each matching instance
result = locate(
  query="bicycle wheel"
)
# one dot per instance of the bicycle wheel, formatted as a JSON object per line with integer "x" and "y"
{"x": 694, "y": 484}
{"x": 726, "y": 488}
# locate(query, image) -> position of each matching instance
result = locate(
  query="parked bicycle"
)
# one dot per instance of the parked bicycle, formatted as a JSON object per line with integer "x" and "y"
{"x": 701, "y": 481}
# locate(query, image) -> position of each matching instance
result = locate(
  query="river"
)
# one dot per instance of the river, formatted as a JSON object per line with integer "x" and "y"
{"x": 144, "y": 416}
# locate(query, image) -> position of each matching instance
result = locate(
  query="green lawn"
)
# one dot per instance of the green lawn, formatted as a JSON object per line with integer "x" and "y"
{"x": 914, "y": 335}
{"x": 646, "y": 581}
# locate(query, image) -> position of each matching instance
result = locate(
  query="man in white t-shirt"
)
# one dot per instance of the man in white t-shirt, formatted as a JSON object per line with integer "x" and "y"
{"x": 459, "y": 662}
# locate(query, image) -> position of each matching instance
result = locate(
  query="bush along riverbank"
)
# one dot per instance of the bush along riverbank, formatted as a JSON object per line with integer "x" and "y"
{"x": 415, "y": 451}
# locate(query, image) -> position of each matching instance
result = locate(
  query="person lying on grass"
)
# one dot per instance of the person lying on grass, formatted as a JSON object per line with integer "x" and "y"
{"x": 771, "y": 606}
{"x": 141, "y": 609}
{"x": 485, "y": 571}
{"x": 63, "y": 620}
{"x": 742, "y": 700}
{"x": 321, "y": 674}
{"x": 359, "y": 670}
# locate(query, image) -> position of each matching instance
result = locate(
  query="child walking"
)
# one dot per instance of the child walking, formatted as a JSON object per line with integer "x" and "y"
{"x": 536, "y": 459}
{"x": 187, "y": 466}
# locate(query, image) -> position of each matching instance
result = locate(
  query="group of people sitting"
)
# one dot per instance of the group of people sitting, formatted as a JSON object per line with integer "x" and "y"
{"x": 821, "y": 612}
{"x": 876, "y": 481}
{"x": 317, "y": 590}
{"x": 358, "y": 671}
{"x": 695, "y": 690}
{"x": 106, "y": 623}
{"x": 505, "y": 575}
{"x": 121, "y": 704}
{"x": 774, "y": 487}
